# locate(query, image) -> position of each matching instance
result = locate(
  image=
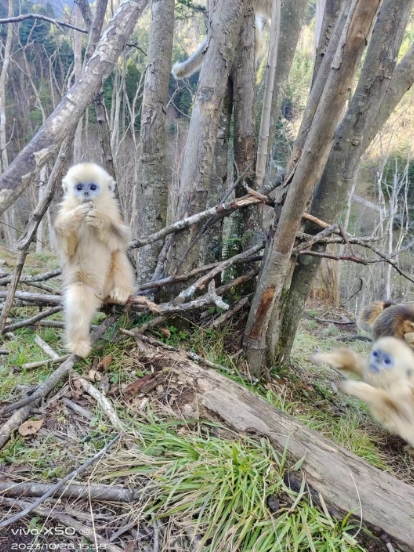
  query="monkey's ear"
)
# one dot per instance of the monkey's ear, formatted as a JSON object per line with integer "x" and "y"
{"x": 111, "y": 184}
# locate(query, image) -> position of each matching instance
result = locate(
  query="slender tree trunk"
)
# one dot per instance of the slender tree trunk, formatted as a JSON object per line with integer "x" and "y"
{"x": 8, "y": 218}
{"x": 78, "y": 149}
{"x": 211, "y": 240}
{"x": 291, "y": 20}
{"x": 224, "y": 28}
{"x": 154, "y": 173}
{"x": 378, "y": 92}
{"x": 259, "y": 337}
{"x": 244, "y": 97}
{"x": 64, "y": 119}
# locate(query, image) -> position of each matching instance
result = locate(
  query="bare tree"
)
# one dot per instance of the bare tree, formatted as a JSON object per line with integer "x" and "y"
{"x": 153, "y": 176}
{"x": 260, "y": 338}
{"x": 66, "y": 116}
{"x": 378, "y": 92}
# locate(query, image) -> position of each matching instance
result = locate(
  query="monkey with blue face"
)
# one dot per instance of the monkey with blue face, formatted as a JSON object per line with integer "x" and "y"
{"x": 387, "y": 384}
{"x": 91, "y": 239}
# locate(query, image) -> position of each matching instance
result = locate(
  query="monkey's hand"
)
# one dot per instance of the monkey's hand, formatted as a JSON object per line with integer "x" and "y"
{"x": 344, "y": 360}
{"x": 96, "y": 219}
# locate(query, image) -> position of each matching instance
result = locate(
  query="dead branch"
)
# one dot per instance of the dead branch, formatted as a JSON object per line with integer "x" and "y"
{"x": 337, "y": 257}
{"x": 45, "y": 347}
{"x": 44, "y": 389}
{"x": 102, "y": 401}
{"x": 227, "y": 315}
{"x": 64, "y": 519}
{"x": 29, "y": 279}
{"x": 221, "y": 210}
{"x": 152, "y": 323}
{"x": 39, "y": 363}
{"x": 32, "y": 320}
{"x": 39, "y": 299}
{"x": 72, "y": 490}
{"x": 199, "y": 284}
{"x": 25, "y": 16}
{"x": 72, "y": 475}
{"x": 13, "y": 423}
{"x": 4, "y": 352}
{"x": 77, "y": 408}
{"x": 315, "y": 220}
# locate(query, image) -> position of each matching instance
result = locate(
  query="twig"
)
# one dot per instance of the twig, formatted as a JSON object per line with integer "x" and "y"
{"x": 38, "y": 364}
{"x": 72, "y": 490}
{"x": 103, "y": 402}
{"x": 13, "y": 423}
{"x": 72, "y": 475}
{"x": 4, "y": 352}
{"x": 152, "y": 323}
{"x": 45, "y": 388}
{"x": 45, "y": 347}
{"x": 25, "y": 16}
{"x": 199, "y": 284}
{"x": 227, "y": 315}
{"x": 221, "y": 210}
{"x": 32, "y": 320}
{"x": 32, "y": 226}
{"x": 315, "y": 220}
{"x": 30, "y": 279}
{"x": 77, "y": 408}
{"x": 335, "y": 257}
{"x": 42, "y": 299}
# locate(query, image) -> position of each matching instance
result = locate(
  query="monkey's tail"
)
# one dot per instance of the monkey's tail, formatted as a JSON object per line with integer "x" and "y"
{"x": 370, "y": 313}
{"x": 186, "y": 68}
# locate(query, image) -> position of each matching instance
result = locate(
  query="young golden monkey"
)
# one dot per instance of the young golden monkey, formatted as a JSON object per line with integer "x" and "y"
{"x": 387, "y": 384}
{"x": 385, "y": 318}
{"x": 91, "y": 238}
{"x": 182, "y": 69}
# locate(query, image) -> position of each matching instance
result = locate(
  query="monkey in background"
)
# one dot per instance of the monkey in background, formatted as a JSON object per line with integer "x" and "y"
{"x": 91, "y": 239}
{"x": 182, "y": 69}
{"x": 387, "y": 384}
{"x": 385, "y": 318}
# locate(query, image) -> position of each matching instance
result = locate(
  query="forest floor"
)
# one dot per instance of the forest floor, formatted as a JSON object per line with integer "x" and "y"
{"x": 201, "y": 485}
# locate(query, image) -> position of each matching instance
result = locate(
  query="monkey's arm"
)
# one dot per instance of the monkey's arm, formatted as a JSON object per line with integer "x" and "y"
{"x": 114, "y": 234}
{"x": 65, "y": 227}
{"x": 344, "y": 360}
{"x": 383, "y": 406}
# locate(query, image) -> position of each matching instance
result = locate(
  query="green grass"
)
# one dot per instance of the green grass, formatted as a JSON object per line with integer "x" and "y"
{"x": 220, "y": 489}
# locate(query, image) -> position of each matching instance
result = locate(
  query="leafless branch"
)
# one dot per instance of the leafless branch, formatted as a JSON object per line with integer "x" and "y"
{"x": 25, "y": 16}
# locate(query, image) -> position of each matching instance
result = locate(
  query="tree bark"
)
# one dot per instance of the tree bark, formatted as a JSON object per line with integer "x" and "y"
{"x": 379, "y": 90}
{"x": 154, "y": 173}
{"x": 224, "y": 28}
{"x": 291, "y": 19}
{"x": 259, "y": 337}
{"x": 345, "y": 481}
{"x": 64, "y": 119}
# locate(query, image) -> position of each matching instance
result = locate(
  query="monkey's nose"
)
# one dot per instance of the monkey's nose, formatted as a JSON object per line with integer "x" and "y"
{"x": 86, "y": 194}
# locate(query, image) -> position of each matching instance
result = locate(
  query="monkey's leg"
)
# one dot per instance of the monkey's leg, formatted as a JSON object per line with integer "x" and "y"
{"x": 80, "y": 305}
{"x": 120, "y": 281}
{"x": 344, "y": 360}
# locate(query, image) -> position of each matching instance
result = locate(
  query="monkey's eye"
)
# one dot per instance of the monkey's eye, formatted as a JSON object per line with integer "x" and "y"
{"x": 93, "y": 187}
{"x": 79, "y": 187}
{"x": 375, "y": 354}
{"x": 387, "y": 360}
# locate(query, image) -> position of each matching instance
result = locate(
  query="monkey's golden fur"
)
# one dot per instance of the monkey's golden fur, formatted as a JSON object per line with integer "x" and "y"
{"x": 389, "y": 392}
{"x": 386, "y": 319}
{"x": 91, "y": 239}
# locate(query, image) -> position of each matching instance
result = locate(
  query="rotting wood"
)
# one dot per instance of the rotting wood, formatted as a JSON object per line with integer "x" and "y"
{"x": 345, "y": 481}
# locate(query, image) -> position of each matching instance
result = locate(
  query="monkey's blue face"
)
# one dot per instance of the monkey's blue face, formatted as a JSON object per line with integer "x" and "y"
{"x": 380, "y": 360}
{"x": 86, "y": 192}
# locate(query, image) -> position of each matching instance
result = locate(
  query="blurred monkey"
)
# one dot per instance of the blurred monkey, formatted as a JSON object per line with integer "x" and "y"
{"x": 182, "y": 69}
{"x": 386, "y": 319}
{"x": 92, "y": 239}
{"x": 387, "y": 386}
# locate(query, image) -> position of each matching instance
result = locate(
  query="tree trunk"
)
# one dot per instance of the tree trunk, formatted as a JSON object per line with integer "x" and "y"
{"x": 9, "y": 231}
{"x": 291, "y": 19}
{"x": 224, "y": 28}
{"x": 154, "y": 175}
{"x": 259, "y": 337}
{"x": 212, "y": 238}
{"x": 344, "y": 482}
{"x": 64, "y": 119}
{"x": 377, "y": 94}
{"x": 78, "y": 149}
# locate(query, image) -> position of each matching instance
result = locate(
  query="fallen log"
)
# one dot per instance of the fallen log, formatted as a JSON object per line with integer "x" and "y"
{"x": 345, "y": 481}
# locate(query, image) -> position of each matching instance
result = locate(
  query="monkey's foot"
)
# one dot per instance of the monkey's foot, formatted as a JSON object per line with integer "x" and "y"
{"x": 120, "y": 295}
{"x": 141, "y": 300}
{"x": 81, "y": 348}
